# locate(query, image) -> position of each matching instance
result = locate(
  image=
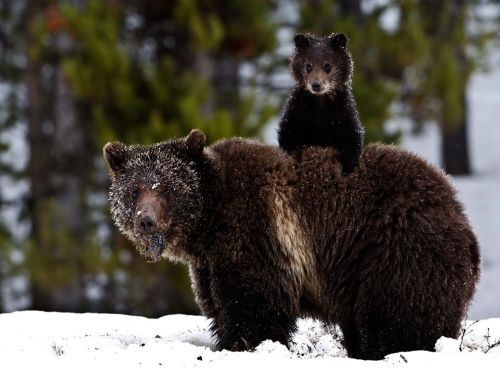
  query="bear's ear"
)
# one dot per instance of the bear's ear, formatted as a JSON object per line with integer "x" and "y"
{"x": 115, "y": 154}
{"x": 338, "y": 40}
{"x": 301, "y": 41}
{"x": 195, "y": 142}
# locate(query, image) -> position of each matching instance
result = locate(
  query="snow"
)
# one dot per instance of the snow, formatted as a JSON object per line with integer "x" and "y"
{"x": 66, "y": 342}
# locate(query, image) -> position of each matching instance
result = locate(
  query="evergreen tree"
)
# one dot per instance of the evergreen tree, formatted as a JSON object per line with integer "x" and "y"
{"x": 11, "y": 82}
{"x": 456, "y": 47}
{"x": 132, "y": 71}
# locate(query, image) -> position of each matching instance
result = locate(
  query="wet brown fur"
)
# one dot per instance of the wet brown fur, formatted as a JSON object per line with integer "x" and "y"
{"x": 385, "y": 252}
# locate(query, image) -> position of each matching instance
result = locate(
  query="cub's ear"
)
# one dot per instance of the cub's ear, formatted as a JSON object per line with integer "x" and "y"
{"x": 115, "y": 154}
{"x": 195, "y": 142}
{"x": 338, "y": 40}
{"x": 301, "y": 41}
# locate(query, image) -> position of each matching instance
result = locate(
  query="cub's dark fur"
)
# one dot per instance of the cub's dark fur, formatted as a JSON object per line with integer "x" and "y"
{"x": 385, "y": 252}
{"x": 321, "y": 111}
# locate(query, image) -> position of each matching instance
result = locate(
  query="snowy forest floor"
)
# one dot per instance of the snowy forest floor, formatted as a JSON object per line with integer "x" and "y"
{"x": 64, "y": 343}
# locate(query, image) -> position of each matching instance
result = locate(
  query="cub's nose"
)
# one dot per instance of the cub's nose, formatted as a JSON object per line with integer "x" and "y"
{"x": 316, "y": 86}
{"x": 147, "y": 224}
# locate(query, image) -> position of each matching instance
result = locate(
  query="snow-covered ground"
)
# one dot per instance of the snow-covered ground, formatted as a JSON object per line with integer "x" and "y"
{"x": 65, "y": 343}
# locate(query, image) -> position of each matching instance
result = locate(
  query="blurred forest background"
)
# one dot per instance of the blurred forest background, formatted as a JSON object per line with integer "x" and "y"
{"x": 76, "y": 74}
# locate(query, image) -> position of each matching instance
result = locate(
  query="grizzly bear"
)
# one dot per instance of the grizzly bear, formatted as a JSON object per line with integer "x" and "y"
{"x": 321, "y": 110}
{"x": 385, "y": 252}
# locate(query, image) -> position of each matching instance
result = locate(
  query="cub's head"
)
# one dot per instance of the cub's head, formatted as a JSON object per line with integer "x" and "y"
{"x": 155, "y": 193}
{"x": 321, "y": 64}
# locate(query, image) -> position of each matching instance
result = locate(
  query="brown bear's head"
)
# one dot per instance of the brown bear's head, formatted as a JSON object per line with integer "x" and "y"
{"x": 155, "y": 193}
{"x": 321, "y": 64}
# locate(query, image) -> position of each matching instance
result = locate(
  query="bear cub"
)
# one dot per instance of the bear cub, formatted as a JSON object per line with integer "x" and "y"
{"x": 321, "y": 110}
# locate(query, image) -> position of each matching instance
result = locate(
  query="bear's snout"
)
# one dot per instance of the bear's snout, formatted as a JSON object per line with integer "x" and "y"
{"x": 148, "y": 215}
{"x": 146, "y": 224}
{"x": 319, "y": 84}
{"x": 316, "y": 86}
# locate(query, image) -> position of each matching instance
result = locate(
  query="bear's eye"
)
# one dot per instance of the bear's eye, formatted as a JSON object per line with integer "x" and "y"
{"x": 327, "y": 67}
{"x": 309, "y": 68}
{"x": 135, "y": 194}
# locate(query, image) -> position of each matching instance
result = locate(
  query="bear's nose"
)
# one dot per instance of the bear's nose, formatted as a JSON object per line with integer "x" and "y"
{"x": 316, "y": 86}
{"x": 147, "y": 224}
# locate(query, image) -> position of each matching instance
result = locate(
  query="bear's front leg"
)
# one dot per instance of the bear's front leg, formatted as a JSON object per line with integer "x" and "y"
{"x": 252, "y": 308}
{"x": 201, "y": 279}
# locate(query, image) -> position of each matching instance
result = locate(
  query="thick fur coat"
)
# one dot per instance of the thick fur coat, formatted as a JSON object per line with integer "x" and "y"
{"x": 321, "y": 110}
{"x": 385, "y": 252}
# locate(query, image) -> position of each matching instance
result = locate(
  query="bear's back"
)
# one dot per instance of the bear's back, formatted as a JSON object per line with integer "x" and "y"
{"x": 389, "y": 181}
{"x": 390, "y": 188}
{"x": 247, "y": 164}
{"x": 385, "y": 172}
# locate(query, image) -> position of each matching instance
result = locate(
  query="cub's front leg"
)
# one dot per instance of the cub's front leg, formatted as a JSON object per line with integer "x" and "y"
{"x": 350, "y": 146}
{"x": 252, "y": 308}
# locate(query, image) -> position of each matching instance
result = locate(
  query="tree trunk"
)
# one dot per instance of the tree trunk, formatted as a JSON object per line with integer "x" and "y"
{"x": 454, "y": 142}
{"x": 73, "y": 158}
{"x": 455, "y": 150}
{"x": 58, "y": 171}
{"x": 38, "y": 182}
{"x": 352, "y": 8}
{"x": 37, "y": 157}
{"x": 226, "y": 81}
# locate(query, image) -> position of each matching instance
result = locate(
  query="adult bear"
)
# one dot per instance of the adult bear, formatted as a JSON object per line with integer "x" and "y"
{"x": 385, "y": 252}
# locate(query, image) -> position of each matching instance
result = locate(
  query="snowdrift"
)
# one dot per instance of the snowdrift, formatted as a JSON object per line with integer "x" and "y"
{"x": 79, "y": 343}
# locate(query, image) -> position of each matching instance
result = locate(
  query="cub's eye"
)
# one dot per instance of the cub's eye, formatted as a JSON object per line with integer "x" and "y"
{"x": 327, "y": 67}
{"x": 135, "y": 194}
{"x": 309, "y": 68}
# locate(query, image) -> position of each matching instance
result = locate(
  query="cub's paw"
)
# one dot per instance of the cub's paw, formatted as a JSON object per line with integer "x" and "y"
{"x": 348, "y": 166}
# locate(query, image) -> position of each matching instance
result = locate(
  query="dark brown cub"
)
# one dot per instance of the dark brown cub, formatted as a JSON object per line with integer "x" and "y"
{"x": 321, "y": 110}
